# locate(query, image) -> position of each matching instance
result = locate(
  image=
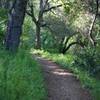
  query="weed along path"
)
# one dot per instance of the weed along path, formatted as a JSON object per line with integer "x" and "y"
{"x": 60, "y": 83}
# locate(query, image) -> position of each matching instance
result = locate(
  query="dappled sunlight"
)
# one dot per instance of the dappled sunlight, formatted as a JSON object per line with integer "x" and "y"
{"x": 82, "y": 22}
{"x": 62, "y": 72}
{"x": 49, "y": 66}
{"x": 34, "y": 51}
{"x": 38, "y": 52}
{"x": 49, "y": 49}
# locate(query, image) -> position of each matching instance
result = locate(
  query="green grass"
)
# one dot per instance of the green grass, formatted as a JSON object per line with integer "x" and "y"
{"x": 20, "y": 77}
{"x": 66, "y": 61}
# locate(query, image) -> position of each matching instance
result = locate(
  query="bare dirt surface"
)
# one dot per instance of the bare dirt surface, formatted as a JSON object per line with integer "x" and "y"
{"x": 60, "y": 83}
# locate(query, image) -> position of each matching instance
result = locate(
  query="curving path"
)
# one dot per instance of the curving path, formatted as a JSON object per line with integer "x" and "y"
{"x": 60, "y": 83}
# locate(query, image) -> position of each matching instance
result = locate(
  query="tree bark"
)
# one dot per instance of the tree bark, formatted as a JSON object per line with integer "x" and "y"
{"x": 91, "y": 38}
{"x": 38, "y": 38}
{"x": 15, "y": 22}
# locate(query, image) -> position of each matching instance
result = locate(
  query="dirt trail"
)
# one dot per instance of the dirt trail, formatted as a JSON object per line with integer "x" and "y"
{"x": 60, "y": 83}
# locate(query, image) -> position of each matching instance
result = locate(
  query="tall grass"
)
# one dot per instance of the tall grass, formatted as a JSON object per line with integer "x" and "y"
{"x": 20, "y": 77}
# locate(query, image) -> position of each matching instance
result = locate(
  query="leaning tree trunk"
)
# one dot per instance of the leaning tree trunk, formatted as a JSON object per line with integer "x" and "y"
{"x": 15, "y": 22}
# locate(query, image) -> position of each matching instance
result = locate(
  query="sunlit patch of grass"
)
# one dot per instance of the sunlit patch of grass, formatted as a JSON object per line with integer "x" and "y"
{"x": 20, "y": 77}
{"x": 66, "y": 61}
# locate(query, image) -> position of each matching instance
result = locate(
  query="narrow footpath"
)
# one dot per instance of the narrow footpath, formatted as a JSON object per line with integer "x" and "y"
{"x": 60, "y": 83}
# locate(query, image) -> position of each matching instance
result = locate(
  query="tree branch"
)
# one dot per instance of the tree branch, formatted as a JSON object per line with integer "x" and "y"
{"x": 92, "y": 24}
{"x": 31, "y": 13}
{"x": 54, "y": 7}
{"x": 71, "y": 44}
{"x": 12, "y": 5}
{"x": 28, "y": 13}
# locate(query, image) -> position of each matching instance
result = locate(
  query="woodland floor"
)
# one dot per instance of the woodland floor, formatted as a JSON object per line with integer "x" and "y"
{"x": 61, "y": 84}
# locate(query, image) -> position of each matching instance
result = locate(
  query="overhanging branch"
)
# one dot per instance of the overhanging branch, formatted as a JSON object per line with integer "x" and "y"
{"x": 71, "y": 44}
{"x": 54, "y": 7}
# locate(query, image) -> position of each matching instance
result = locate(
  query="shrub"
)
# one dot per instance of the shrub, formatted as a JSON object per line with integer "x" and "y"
{"x": 88, "y": 59}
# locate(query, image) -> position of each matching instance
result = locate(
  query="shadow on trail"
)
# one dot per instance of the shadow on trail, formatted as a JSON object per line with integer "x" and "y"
{"x": 60, "y": 83}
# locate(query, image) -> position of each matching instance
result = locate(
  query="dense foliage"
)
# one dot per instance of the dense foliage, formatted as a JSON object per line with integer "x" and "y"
{"x": 3, "y": 20}
{"x": 67, "y": 31}
{"x": 88, "y": 59}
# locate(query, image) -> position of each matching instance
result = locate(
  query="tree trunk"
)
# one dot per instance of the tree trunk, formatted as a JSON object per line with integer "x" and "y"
{"x": 38, "y": 38}
{"x": 15, "y": 22}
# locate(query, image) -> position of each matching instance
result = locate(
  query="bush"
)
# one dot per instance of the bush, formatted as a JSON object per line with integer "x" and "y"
{"x": 88, "y": 59}
{"x": 3, "y": 22}
{"x": 20, "y": 77}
